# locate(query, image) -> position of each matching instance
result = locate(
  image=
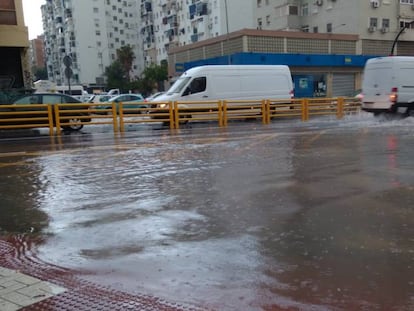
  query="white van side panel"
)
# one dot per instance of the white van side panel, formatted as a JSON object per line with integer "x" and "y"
{"x": 237, "y": 82}
{"x": 223, "y": 85}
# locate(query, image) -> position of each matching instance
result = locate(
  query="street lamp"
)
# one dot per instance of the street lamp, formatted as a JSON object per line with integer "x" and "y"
{"x": 398, "y": 35}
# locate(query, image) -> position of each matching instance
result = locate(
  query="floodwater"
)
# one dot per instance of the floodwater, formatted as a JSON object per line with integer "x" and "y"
{"x": 298, "y": 216}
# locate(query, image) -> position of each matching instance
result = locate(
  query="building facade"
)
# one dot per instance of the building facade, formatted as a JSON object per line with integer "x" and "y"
{"x": 37, "y": 53}
{"x": 90, "y": 32}
{"x": 173, "y": 30}
{"x": 14, "y": 47}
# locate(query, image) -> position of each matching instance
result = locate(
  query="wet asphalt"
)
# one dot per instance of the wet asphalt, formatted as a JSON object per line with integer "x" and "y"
{"x": 300, "y": 216}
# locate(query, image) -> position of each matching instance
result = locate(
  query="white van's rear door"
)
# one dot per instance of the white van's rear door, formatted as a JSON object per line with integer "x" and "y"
{"x": 377, "y": 85}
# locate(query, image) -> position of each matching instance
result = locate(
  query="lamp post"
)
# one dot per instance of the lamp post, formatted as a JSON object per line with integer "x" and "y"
{"x": 398, "y": 35}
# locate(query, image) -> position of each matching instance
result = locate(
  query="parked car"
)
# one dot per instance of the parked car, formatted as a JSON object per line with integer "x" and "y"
{"x": 129, "y": 101}
{"x": 53, "y": 99}
{"x": 99, "y": 98}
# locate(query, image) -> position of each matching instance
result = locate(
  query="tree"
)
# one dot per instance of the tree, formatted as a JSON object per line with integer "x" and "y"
{"x": 39, "y": 73}
{"x": 126, "y": 57}
{"x": 116, "y": 76}
{"x": 155, "y": 75}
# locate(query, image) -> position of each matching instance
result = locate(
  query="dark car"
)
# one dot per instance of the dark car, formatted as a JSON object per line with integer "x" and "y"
{"x": 53, "y": 99}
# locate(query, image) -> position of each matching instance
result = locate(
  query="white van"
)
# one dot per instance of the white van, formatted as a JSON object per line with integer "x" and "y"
{"x": 388, "y": 85}
{"x": 238, "y": 82}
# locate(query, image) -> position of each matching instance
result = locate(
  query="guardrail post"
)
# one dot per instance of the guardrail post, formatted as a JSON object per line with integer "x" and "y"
{"x": 171, "y": 115}
{"x": 305, "y": 109}
{"x": 340, "y": 108}
{"x": 121, "y": 116}
{"x": 176, "y": 116}
{"x": 225, "y": 113}
{"x": 268, "y": 111}
{"x": 220, "y": 112}
{"x": 50, "y": 119}
{"x": 264, "y": 112}
{"x": 57, "y": 119}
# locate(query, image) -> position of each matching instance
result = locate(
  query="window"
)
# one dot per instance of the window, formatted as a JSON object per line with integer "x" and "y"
{"x": 268, "y": 20}
{"x": 315, "y": 29}
{"x": 259, "y": 23}
{"x": 259, "y": 3}
{"x": 329, "y": 27}
{"x": 373, "y": 22}
{"x": 407, "y": 1}
{"x": 7, "y": 12}
{"x": 305, "y": 9}
{"x": 293, "y": 10}
{"x": 385, "y": 23}
{"x": 406, "y": 24}
{"x": 196, "y": 86}
{"x": 95, "y": 10}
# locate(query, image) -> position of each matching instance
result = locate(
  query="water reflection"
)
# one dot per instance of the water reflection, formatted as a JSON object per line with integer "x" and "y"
{"x": 246, "y": 220}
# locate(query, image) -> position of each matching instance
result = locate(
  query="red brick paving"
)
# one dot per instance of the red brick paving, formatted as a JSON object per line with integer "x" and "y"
{"x": 81, "y": 295}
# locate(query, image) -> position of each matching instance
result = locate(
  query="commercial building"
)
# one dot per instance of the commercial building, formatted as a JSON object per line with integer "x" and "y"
{"x": 14, "y": 47}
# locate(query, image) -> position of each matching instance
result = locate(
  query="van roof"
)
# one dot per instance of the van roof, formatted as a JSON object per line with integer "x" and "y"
{"x": 226, "y": 67}
{"x": 392, "y": 59}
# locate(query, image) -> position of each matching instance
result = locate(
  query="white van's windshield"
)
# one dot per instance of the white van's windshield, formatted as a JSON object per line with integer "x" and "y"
{"x": 178, "y": 85}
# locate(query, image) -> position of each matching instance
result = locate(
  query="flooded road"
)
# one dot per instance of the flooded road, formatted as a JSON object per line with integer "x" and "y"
{"x": 298, "y": 216}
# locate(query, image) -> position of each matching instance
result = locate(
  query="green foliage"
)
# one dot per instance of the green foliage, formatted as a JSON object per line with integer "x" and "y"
{"x": 116, "y": 76}
{"x": 39, "y": 73}
{"x": 126, "y": 57}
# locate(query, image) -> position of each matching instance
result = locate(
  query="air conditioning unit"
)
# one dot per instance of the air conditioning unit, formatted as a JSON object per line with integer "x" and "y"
{"x": 319, "y": 2}
{"x": 375, "y": 4}
{"x": 372, "y": 28}
{"x": 384, "y": 29}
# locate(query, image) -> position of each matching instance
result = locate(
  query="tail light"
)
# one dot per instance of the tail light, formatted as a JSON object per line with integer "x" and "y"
{"x": 292, "y": 94}
{"x": 394, "y": 95}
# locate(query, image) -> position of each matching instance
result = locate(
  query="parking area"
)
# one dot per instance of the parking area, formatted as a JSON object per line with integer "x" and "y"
{"x": 288, "y": 215}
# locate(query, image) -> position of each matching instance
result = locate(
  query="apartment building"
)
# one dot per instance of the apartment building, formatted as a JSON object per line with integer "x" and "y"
{"x": 166, "y": 24}
{"x": 376, "y": 22}
{"x": 37, "y": 52}
{"x": 90, "y": 32}
{"x": 14, "y": 47}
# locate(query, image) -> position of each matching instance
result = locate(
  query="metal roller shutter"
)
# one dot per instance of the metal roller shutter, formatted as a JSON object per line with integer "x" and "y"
{"x": 343, "y": 85}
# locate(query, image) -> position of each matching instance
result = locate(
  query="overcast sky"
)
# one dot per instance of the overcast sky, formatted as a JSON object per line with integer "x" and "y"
{"x": 33, "y": 17}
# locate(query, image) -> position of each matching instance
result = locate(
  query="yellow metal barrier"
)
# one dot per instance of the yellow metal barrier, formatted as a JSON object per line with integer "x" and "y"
{"x": 244, "y": 109}
{"x": 173, "y": 113}
{"x": 281, "y": 108}
{"x": 197, "y": 111}
{"x": 73, "y": 115}
{"x": 26, "y": 116}
{"x": 161, "y": 112}
{"x": 145, "y": 115}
